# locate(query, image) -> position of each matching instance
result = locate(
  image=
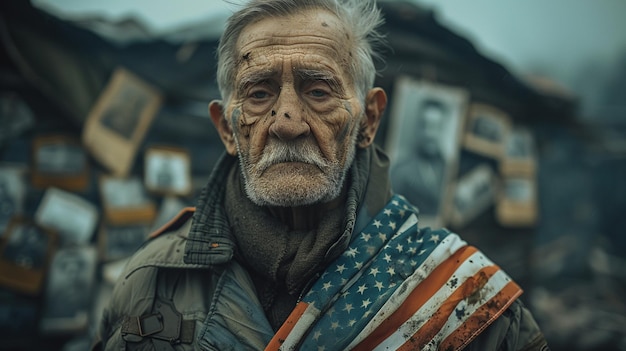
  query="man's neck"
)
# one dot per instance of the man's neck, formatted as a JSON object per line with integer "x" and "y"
{"x": 306, "y": 217}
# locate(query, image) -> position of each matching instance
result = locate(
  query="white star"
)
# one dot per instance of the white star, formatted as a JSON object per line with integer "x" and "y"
{"x": 334, "y": 325}
{"x": 317, "y": 335}
{"x": 366, "y": 237}
{"x": 379, "y": 285}
{"x": 401, "y": 213}
{"x": 374, "y": 271}
{"x": 362, "y": 289}
{"x": 327, "y": 286}
{"x": 340, "y": 268}
{"x": 351, "y": 252}
{"x": 387, "y": 258}
{"x": 367, "y": 313}
{"x": 392, "y": 225}
{"x": 348, "y": 308}
{"x": 420, "y": 240}
{"x": 382, "y": 236}
{"x": 331, "y": 311}
{"x": 391, "y": 271}
{"x": 377, "y": 223}
{"x": 412, "y": 250}
{"x": 413, "y": 263}
{"x": 434, "y": 238}
{"x": 399, "y": 247}
{"x": 409, "y": 240}
{"x": 387, "y": 212}
{"x": 344, "y": 281}
{"x": 421, "y": 253}
{"x": 321, "y": 348}
{"x": 395, "y": 203}
{"x": 358, "y": 265}
{"x": 351, "y": 322}
{"x": 366, "y": 303}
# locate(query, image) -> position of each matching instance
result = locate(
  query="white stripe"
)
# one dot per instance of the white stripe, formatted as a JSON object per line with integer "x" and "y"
{"x": 412, "y": 220}
{"x": 447, "y": 247}
{"x": 468, "y": 269}
{"x": 300, "y": 328}
{"x": 496, "y": 283}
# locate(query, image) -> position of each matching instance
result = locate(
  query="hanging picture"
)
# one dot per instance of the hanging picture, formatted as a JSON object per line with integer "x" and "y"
{"x": 167, "y": 170}
{"x": 423, "y": 144}
{"x": 486, "y": 130}
{"x": 119, "y": 120}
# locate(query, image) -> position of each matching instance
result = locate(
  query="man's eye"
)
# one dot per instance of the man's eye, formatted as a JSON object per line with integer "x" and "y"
{"x": 259, "y": 94}
{"x": 318, "y": 93}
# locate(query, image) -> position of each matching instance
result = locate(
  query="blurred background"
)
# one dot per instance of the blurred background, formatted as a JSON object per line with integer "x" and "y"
{"x": 76, "y": 201}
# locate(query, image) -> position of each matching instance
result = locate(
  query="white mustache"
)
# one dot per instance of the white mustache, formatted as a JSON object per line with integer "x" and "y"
{"x": 278, "y": 152}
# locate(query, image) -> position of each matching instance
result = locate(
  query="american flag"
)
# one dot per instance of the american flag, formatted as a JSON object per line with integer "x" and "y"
{"x": 399, "y": 288}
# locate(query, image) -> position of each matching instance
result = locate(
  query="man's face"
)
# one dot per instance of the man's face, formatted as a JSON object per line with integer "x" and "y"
{"x": 294, "y": 112}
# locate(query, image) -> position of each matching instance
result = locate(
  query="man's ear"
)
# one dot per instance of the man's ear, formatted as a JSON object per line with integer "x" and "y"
{"x": 375, "y": 104}
{"x": 216, "y": 110}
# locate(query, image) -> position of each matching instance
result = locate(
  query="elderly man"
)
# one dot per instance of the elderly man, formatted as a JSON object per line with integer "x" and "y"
{"x": 297, "y": 242}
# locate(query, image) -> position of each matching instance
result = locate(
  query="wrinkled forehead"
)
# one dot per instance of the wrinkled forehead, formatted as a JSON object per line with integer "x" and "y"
{"x": 309, "y": 32}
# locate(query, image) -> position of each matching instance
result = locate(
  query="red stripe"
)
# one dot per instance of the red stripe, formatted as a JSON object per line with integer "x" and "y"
{"x": 482, "y": 318}
{"x": 417, "y": 298}
{"x": 287, "y": 327}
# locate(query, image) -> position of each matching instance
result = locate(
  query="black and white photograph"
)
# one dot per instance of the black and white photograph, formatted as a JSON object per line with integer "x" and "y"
{"x": 423, "y": 143}
{"x": 486, "y": 131}
{"x": 125, "y": 200}
{"x": 59, "y": 161}
{"x": 167, "y": 171}
{"x": 520, "y": 155}
{"x": 12, "y": 193}
{"x": 70, "y": 283}
{"x": 117, "y": 242}
{"x": 474, "y": 193}
{"x": 517, "y": 201}
{"x": 119, "y": 120}
{"x": 73, "y": 217}
{"x": 24, "y": 255}
{"x": 59, "y": 157}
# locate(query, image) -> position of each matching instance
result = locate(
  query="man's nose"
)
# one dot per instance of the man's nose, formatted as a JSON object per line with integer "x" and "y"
{"x": 289, "y": 123}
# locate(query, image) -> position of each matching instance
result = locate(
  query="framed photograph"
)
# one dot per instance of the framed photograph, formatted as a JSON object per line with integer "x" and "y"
{"x": 474, "y": 193}
{"x": 167, "y": 170}
{"x": 119, "y": 120}
{"x": 423, "y": 144}
{"x": 59, "y": 161}
{"x": 24, "y": 255}
{"x": 12, "y": 194}
{"x": 71, "y": 281}
{"x": 126, "y": 201}
{"x": 117, "y": 242}
{"x": 517, "y": 202}
{"x": 486, "y": 131}
{"x": 520, "y": 154}
{"x": 71, "y": 216}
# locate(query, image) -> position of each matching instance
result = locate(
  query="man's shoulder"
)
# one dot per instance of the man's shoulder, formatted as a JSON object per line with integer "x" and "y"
{"x": 165, "y": 248}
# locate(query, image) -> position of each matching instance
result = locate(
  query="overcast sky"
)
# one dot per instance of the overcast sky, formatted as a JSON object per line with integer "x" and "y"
{"x": 557, "y": 38}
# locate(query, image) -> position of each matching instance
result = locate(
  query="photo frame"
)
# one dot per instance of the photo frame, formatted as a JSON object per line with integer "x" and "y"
{"x": 118, "y": 242}
{"x": 71, "y": 216}
{"x": 517, "y": 204}
{"x": 474, "y": 193}
{"x": 167, "y": 170}
{"x": 423, "y": 142}
{"x": 125, "y": 201}
{"x": 25, "y": 253}
{"x": 71, "y": 281}
{"x": 59, "y": 161}
{"x": 119, "y": 120}
{"x": 487, "y": 130}
{"x": 13, "y": 189}
{"x": 520, "y": 153}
